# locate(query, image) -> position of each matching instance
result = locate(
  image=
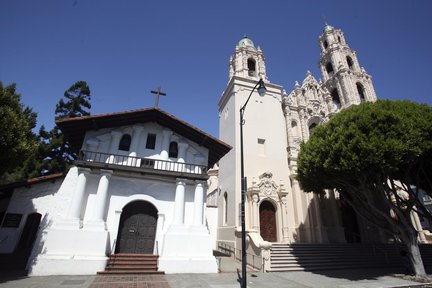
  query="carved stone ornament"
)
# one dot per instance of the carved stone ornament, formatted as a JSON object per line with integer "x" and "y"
{"x": 315, "y": 108}
{"x": 267, "y": 186}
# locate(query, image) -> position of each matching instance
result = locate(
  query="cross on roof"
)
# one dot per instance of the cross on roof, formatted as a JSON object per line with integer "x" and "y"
{"x": 158, "y": 93}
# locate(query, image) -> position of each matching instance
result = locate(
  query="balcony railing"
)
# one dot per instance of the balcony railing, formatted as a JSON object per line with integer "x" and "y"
{"x": 140, "y": 163}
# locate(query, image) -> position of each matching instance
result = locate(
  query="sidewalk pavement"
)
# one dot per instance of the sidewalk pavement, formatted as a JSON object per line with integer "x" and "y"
{"x": 365, "y": 278}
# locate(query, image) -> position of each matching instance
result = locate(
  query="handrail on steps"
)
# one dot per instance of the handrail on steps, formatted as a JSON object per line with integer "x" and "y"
{"x": 238, "y": 252}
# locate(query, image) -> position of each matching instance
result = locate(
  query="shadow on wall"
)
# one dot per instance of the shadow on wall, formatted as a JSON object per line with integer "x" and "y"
{"x": 348, "y": 243}
{"x": 38, "y": 244}
{"x": 29, "y": 244}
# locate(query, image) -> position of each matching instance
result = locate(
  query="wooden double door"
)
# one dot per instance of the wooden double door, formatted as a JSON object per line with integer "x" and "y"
{"x": 137, "y": 229}
{"x": 268, "y": 228}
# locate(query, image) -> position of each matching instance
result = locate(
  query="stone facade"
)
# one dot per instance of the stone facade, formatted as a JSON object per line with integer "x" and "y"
{"x": 275, "y": 125}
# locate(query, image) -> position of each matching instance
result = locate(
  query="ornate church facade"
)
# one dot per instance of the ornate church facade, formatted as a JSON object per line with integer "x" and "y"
{"x": 274, "y": 126}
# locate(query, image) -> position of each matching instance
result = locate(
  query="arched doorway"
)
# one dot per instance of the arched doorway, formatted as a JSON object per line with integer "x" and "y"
{"x": 268, "y": 229}
{"x": 137, "y": 229}
{"x": 349, "y": 222}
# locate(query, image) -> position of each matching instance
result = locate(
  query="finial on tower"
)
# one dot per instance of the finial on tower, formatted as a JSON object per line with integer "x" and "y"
{"x": 327, "y": 27}
{"x": 325, "y": 20}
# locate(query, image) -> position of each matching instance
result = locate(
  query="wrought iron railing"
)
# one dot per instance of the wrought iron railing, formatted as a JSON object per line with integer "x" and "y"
{"x": 144, "y": 163}
{"x": 254, "y": 261}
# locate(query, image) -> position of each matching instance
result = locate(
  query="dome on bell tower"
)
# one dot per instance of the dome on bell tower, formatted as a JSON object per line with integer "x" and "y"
{"x": 246, "y": 42}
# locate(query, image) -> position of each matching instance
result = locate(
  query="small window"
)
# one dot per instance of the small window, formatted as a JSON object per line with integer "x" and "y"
{"x": 329, "y": 69}
{"x": 350, "y": 63}
{"x": 325, "y": 44}
{"x": 125, "y": 142}
{"x": 225, "y": 207}
{"x": 261, "y": 146}
{"x": 151, "y": 141}
{"x": 251, "y": 67}
{"x": 173, "y": 150}
{"x": 360, "y": 90}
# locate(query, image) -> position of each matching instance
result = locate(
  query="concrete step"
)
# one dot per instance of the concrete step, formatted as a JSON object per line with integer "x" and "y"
{"x": 298, "y": 257}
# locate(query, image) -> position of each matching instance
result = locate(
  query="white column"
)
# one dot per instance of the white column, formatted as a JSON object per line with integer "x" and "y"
{"x": 255, "y": 212}
{"x": 320, "y": 229}
{"x": 136, "y": 137}
{"x": 159, "y": 232}
{"x": 284, "y": 218}
{"x": 78, "y": 196}
{"x": 92, "y": 146}
{"x": 198, "y": 160}
{"x": 115, "y": 141}
{"x": 166, "y": 139}
{"x": 199, "y": 203}
{"x": 181, "y": 156}
{"x": 101, "y": 195}
{"x": 179, "y": 202}
{"x": 182, "y": 152}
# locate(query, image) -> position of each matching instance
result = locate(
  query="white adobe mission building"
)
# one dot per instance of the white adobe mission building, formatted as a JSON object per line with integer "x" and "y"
{"x": 138, "y": 187}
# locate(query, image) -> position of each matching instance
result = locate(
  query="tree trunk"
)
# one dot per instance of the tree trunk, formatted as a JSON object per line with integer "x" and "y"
{"x": 414, "y": 254}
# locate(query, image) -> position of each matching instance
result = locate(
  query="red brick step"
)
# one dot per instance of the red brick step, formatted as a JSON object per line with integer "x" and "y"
{"x": 132, "y": 264}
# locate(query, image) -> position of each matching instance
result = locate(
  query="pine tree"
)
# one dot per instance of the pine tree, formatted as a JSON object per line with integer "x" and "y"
{"x": 56, "y": 153}
{"x": 77, "y": 101}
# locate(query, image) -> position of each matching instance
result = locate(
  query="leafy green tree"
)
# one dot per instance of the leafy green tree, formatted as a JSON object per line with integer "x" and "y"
{"x": 377, "y": 156}
{"x": 17, "y": 141}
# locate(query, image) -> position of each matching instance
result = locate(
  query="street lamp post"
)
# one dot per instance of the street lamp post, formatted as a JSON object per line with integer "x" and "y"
{"x": 261, "y": 91}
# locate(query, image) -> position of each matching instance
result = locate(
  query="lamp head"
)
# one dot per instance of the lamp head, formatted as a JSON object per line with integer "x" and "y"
{"x": 261, "y": 88}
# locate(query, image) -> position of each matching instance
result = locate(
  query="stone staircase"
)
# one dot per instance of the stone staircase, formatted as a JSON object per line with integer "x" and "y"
{"x": 132, "y": 264}
{"x": 308, "y": 257}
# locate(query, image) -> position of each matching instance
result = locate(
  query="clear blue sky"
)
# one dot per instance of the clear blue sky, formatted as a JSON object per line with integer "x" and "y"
{"x": 124, "y": 49}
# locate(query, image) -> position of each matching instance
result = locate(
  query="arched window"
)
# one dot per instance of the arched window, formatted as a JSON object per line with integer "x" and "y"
{"x": 325, "y": 44}
{"x": 225, "y": 207}
{"x": 251, "y": 67}
{"x": 361, "y": 92}
{"x": 329, "y": 69}
{"x": 125, "y": 142}
{"x": 335, "y": 97}
{"x": 173, "y": 150}
{"x": 312, "y": 127}
{"x": 339, "y": 39}
{"x": 350, "y": 63}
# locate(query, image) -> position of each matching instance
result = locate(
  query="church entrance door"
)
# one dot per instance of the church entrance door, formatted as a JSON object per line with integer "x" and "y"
{"x": 349, "y": 222}
{"x": 137, "y": 229}
{"x": 268, "y": 228}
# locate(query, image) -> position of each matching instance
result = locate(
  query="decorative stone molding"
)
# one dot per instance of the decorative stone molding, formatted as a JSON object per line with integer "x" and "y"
{"x": 266, "y": 188}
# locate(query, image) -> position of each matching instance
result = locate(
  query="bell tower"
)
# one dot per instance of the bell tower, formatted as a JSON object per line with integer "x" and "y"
{"x": 347, "y": 82}
{"x": 265, "y": 145}
{"x": 247, "y": 61}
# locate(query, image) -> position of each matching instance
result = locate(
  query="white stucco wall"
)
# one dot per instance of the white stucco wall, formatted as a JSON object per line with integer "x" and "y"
{"x": 195, "y": 154}
{"x": 27, "y": 200}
